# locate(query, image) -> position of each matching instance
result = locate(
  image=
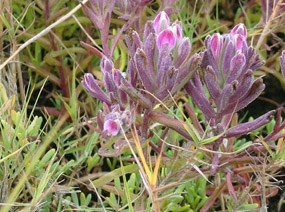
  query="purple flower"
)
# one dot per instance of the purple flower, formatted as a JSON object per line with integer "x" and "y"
{"x": 91, "y": 85}
{"x": 240, "y": 30}
{"x": 228, "y": 66}
{"x": 112, "y": 81}
{"x": 215, "y": 44}
{"x": 111, "y": 127}
{"x": 166, "y": 37}
{"x": 177, "y": 30}
{"x": 161, "y": 22}
{"x": 113, "y": 118}
{"x": 161, "y": 60}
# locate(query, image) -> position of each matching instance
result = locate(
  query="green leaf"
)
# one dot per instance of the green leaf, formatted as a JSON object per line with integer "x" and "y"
{"x": 132, "y": 168}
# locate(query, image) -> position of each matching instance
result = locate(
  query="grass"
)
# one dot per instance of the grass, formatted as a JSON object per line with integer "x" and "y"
{"x": 50, "y": 157}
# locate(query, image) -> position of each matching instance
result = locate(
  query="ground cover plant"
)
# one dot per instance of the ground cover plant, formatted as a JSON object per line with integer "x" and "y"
{"x": 141, "y": 105}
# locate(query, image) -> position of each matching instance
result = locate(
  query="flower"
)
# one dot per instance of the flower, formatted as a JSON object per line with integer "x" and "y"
{"x": 161, "y": 22}
{"x": 91, "y": 85}
{"x": 239, "y": 29}
{"x": 228, "y": 67}
{"x": 111, "y": 127}
{"x": 166, "y": 37}
{"x": 113, "y": 118}
{"x": 112, "y": 80}
{"x": 229, "y": 63}
{"x": 161, "y": 60}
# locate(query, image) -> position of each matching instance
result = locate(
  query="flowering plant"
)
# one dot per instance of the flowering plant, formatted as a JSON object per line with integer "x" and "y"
{"x": 161, "y": 70}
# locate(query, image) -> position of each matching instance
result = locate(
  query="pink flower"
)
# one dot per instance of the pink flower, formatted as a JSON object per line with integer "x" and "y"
{"x": 239, "y": 41}
{"x": 161, "y": 22}
{"x": 166, "y": 37}
{"x": 177, "y": 29}
{"x": 239, "y": 29}
{"x": 239, "y": 34}
{"x": 111, "y": 127}
{"x": 215, "y": 44}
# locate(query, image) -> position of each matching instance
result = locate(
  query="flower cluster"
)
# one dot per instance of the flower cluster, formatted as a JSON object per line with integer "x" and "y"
{"x": 228, "y": 66}
{"x": 112, "y": 78}
{"x": 115, "y": 113}
{"x": 161, "y": 61}
{"x": 219, "y": 80}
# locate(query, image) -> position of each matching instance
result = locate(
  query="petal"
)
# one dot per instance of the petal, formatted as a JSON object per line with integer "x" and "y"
{"x": 195, "y": 88}
{"x": 239, "y": 41}
{"x": 91, "y": 85}
{"x": 210, "y": 79}
{"x": 216, "y": 44}
{"x": 236, "y": 67}
{"x": 161, "y": 22}
{"x": 106, "y": 65}
{"x": 145, "y": 74}
{"x": 239, "y": 29}
{"x": 166, "y": 37}
{"x": 183, "y": 51}
{"x": 177, "y": 29}
{"x": 111, "y": 127}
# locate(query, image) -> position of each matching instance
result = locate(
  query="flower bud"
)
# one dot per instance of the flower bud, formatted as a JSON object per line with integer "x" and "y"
{"x": 161, "y": 22}
{"x": 177, "y": 30}
{"x": 91, "y": 85}
{"x": 239, "y": 41}
{"x": 215, "y": 44}
{"x": 166, "y": 37}
{"x": 106, "y": 65}
{"x": 239, "y": 29}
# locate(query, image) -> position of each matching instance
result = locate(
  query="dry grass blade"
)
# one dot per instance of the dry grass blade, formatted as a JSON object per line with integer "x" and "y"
{"x": 42, "y": 33}
{"x": 266, "y": 29}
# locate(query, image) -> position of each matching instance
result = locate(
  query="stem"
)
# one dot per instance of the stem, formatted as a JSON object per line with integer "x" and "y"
{"x": 265, "y": 30}
{"x": 170, "y": 122}
{"x": 116, "y": 38}
{"x": 156, "y": 206}
{"x": 62, "y": 75}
